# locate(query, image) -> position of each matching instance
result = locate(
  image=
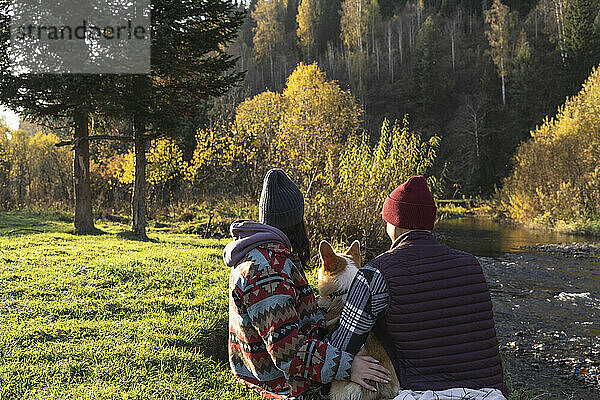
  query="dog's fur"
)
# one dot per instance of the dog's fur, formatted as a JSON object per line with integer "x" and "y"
{"x": 335, "y": 276}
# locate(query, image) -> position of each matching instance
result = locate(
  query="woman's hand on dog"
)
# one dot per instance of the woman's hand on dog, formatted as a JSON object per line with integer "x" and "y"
{"x": 365, "y": 367}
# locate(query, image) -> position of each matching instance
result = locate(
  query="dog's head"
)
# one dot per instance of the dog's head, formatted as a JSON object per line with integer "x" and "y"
{"x": 335, "y": 277}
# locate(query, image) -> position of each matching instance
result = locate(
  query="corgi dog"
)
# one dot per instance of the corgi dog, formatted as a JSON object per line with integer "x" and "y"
{"x": 335, "y": 277}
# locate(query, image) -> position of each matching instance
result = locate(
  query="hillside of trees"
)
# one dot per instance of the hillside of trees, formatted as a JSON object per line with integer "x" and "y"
{"x": 479, "y": 74}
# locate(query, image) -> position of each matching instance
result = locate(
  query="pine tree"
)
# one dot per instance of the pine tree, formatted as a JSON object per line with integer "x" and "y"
{"x": 522, "y": 90}
{"x": 188, "y": 65}
{"x": 427, "y": 68}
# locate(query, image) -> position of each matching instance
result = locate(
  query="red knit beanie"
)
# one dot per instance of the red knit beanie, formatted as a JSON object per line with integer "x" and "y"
{"x": 410, "y": 205}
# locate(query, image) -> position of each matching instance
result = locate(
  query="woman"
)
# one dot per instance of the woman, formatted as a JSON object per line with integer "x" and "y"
{"x": 274, "y": 322}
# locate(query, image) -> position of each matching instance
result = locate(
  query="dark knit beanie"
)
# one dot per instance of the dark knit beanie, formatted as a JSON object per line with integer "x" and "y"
{"x": 281, "y": 202}
{"x": 410, "y": 205}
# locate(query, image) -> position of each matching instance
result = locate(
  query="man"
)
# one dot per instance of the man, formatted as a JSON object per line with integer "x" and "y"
{"x": 429, "y": 305}
{"x": 274, "y": 322}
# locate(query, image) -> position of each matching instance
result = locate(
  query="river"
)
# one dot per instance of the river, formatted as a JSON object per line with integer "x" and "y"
{"x": 546, "y": 306}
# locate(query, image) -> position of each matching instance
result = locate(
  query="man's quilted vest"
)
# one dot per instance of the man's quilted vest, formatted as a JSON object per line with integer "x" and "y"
{"x": 438, "y": 328}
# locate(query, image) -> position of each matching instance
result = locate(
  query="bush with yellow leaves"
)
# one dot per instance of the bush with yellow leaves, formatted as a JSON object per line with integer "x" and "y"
{"x": 359, "y": 184}
{"x": 165, "y": 170}
{"x": 556, "y": 176}
{"x": 311, "y": 130}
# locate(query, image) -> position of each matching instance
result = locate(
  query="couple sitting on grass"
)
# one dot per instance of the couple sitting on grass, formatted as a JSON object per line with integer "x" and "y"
{"x": 428, "y": 304}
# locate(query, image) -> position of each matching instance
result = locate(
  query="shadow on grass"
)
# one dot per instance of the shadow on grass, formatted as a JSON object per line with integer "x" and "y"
{"x": 216, "y": 342}
{"x": 211, "y": 342}
{"x": 129, "y": 235}
{"x": 95, "y": 232}
{"x": 17, "y": 221}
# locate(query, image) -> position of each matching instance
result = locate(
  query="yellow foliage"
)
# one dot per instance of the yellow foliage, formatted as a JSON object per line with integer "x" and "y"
{"x": 165, "y": 163}
{"x": 556, "y": 174}
{"x": 300, "y": 129}
{"x": 364, "y": 176}
{"x": 33, "y": 169}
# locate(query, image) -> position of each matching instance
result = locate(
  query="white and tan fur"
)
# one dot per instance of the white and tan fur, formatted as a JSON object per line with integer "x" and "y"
{"x": 336, "y": 275}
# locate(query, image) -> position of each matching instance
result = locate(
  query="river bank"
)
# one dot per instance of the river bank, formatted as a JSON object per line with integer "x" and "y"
{"x": 454, "y": 209}
{"x": 584, "y": 251}
{"x": 545, "y": 290}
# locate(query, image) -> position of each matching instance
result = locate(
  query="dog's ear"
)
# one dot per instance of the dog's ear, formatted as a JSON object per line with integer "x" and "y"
{"x": 327, "y": 254}
{"x": 354, "y": 251}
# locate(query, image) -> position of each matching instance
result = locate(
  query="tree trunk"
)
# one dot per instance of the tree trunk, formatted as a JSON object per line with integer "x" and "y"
{"x": 138, "y": 199}
{"x": 373, "y": 28}
{"x": 360, "y": 45}
{"x": 400, "y": 34}
{"x": 390, "y": 56}
{"x": 503, "y": 82}
{"x": 349, "y": 66}
{"x": 453, "y": 52}
{"x": 377, "y": 57}
{"x": 84, "y": 218}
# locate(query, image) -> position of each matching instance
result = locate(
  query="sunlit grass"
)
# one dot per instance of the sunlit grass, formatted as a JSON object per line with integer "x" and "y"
{"x": 104, "y": 316}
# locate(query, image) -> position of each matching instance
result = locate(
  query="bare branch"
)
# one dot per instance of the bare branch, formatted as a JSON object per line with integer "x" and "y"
{"x": 93, "y": 137}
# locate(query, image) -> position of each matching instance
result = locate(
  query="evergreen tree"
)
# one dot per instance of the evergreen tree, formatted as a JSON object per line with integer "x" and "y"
{"x": 522, "y": 90}
{"x": 329, "y": 33}
{"x": 582, "y": 42}
{"x": 191, "y": 38}
{"x": 188, "y": 64}
{"x": 427, "y": 73}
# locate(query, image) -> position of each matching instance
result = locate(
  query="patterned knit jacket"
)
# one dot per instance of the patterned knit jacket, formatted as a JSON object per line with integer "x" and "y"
{"x": 274, "y": 323}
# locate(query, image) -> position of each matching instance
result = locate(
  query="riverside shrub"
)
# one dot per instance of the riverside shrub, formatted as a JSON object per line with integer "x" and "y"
{"x": 556, "y": 176}
{"x": 359, "y": 184}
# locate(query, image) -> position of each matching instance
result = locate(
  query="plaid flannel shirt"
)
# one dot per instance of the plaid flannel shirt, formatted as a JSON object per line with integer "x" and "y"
{"x": 367, "y": 299}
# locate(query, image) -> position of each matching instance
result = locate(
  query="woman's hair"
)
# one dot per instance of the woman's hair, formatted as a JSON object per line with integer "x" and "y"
{"x": 298, "y": 236}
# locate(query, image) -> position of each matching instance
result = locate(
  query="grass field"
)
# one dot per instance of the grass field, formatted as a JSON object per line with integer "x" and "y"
{"x": 108, "y": 317}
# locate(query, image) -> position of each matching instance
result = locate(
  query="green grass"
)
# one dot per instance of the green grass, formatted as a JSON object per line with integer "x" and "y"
{"x": 107, "y": 317}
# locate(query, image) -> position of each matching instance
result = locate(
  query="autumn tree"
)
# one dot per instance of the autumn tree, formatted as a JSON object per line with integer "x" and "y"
{"x": 500, "y": 28}
{"x": 556, "y": 175}
{"x": 308, "y": 19}
{"x": 319, "y": 116}
{"x": 269, "y": 32}
{"x": 300, "y": 128}
{"x": 357, "y": 26}
{"x": 358, "y": 22}
{"x": 166, "y": 168}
